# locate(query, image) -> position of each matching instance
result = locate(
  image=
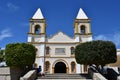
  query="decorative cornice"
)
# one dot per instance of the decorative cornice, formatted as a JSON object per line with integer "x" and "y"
{"x": 37, "y": 34}
{"x": 72, "y": 56}
{"x": 38, "y": 20}
{"x": 55, "y": 42}
{"x": 47, "y": 56}
{"x": 83, "y": 34}
{"x": 82, "y": 20}
{"x": 39, "y": 56}
{"x": 55, "y": 57}
{"x": 60, "y": 57}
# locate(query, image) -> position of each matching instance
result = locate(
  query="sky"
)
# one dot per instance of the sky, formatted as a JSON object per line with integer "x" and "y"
{"x": 60, "y": 16}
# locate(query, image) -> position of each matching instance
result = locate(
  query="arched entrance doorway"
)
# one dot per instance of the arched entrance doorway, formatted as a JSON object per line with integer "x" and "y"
{"x": 60, "y": 67}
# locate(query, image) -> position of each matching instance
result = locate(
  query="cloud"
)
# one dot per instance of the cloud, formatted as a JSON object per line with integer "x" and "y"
{"x": 100, "y": 37}
{"x": 12, "y": 7}
{"x": 5, "y": 34}
{"x": 110, "y": 37}
{"x": 2, "y": 48}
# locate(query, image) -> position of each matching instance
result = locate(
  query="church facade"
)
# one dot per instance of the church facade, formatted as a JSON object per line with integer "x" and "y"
{"x": 55, "y": 54}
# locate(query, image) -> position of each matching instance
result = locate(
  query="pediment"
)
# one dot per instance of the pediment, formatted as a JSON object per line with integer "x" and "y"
{"x": 60, "y": 37}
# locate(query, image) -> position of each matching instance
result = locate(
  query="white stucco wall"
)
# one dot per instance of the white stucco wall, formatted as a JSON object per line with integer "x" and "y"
{"x": 29, "y": 38}
{"x": 78, "y": 68}
{"x": 40, "y": 62}
{"x": 77, "y": 38}
{"x": 59, "y": 40}
{"x": 66, "y": 46}
{"x": 118, "y": 52}
{"x": 85, "y": 38}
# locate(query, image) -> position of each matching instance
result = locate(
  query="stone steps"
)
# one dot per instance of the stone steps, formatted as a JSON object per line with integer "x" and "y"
{"x": 65, "y": 77}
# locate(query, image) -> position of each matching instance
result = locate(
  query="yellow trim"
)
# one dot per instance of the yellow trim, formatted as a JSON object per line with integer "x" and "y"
{"x": 30, "y": 27}
{"x": 52, "y": 70}
{"x": 67, "y": 70}
{"x": 81, "y": 20}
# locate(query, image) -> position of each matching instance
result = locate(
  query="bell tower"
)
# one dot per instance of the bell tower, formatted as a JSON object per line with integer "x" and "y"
{"x": 37, "y": 27}
{"x": 37, "y": 37}
{"x": 82, "y": 28}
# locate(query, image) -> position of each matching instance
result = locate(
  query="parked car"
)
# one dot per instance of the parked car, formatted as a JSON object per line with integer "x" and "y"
{"x": 3, "y": 64}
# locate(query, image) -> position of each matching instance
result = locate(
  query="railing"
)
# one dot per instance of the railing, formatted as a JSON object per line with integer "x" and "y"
{"x": 98, "y": 76}
{"x": 118, "y": 78}
{"x": 31, "y": 75}
{"x": 95, "y": 75}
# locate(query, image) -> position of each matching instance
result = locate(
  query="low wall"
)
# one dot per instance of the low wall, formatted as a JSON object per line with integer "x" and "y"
{"x": 118, "y": 78}
{"x": 98, "y": 76}
{"x": 10, "y": 73}
{"x": 5, "y": 73}
{"x": 31, "y": 75}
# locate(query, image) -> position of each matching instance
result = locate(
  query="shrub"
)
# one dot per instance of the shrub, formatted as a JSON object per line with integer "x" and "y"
{"x": 96, "y": 52}
{"x": 20, "y": 54}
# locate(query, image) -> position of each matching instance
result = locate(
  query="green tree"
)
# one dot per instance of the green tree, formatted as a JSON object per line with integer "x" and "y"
{"x": 20, "y": 54}
{"x": 96, "y": 52}
{"x": 1, "y": 55}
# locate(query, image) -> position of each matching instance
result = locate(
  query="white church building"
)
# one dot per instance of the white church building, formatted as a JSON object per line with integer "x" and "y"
{"x": 55, "y": 54}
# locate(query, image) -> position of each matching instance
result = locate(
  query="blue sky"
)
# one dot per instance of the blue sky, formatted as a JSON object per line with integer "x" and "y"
{"x": 59, "y": 15}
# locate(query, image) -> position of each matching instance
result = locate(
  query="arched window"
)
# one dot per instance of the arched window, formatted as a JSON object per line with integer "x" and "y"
{"x": 73, "y": 67}
{"x": 82, "y": 29}
{"x": 47, "y": 50}
{"x": 47, "y": 66}
{"x": 72, "y": 50}
{"x": 37, "y": 29}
